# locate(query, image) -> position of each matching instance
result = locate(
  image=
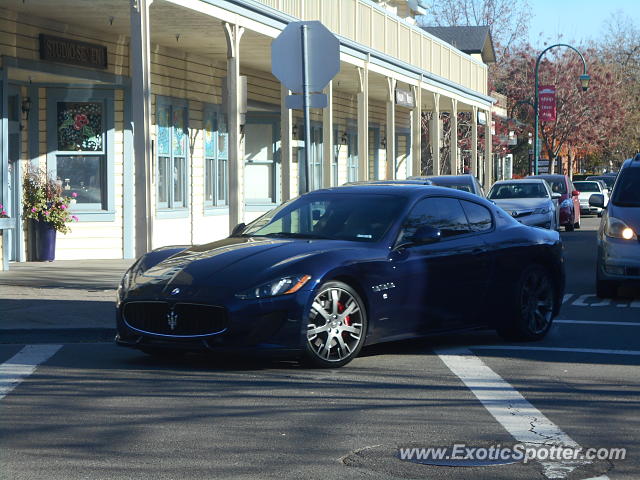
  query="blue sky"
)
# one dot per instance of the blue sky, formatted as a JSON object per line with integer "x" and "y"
{"x": 576, "y": 20}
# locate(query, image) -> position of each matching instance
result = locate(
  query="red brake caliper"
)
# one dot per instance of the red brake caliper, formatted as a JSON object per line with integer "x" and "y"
{"x": 347, "y": 319}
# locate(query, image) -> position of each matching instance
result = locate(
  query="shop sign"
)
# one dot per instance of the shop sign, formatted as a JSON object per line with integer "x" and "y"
{"x": 404, "y": 98}
{"x": 65, "y": 50}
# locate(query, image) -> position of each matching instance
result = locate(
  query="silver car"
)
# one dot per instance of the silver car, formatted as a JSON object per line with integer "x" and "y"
{"x": 530, "y": 201}
{"x": 619, "y": 233}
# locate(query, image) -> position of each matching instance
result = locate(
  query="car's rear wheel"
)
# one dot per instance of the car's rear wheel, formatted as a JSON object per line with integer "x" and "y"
{"x": 569, "y": 226}
{"x": 606, "y": 288}
{"x": 530, "y": 314}
{"x": 336, "y": 326}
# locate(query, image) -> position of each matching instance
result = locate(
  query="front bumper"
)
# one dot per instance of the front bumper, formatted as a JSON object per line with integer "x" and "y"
{"x": 271, "y": 324}
{"x": 619, "y": 259}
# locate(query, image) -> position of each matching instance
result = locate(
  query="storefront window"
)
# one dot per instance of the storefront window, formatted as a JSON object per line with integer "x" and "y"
{"x": 216, "y": 148}
{"x": 80, "y": 126}
{"x": 172, "y": 136}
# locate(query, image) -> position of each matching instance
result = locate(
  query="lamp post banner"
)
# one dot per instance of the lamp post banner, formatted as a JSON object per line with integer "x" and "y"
{"x": 547, "y": 103}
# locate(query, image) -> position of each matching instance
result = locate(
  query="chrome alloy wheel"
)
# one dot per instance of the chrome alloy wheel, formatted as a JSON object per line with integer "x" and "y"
{"x": 335, "y": 324}
{"x": 537, "y": 301}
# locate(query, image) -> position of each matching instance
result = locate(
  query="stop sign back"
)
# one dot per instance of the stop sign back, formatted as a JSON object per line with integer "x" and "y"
{"x": 323, "y": 56}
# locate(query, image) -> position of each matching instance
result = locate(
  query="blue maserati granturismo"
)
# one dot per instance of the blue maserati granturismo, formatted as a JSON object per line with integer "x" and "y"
{"x": 334, "y": 270}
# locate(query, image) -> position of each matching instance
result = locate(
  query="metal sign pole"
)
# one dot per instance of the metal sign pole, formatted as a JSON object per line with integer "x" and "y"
{"x": 304, "y": 187}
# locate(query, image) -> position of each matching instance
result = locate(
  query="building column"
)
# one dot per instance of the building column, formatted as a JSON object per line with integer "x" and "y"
{"x": 473, "y": 168}
{"x": 488, "y": 158}
{"x": 233, "y": 34}
{"x": 391, "y": 128}
{"x": 453, "y": 138}
{"x": 286, "y": 151}
{"x": 416, "y": 132}
{"x": 327, "y": 137}
{"x": 363, "y": 122}
{"x": 140, "y": 66}
{"x": 435, "y": 134}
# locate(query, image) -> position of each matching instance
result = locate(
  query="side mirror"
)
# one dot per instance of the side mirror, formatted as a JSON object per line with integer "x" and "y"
{"x": 237, "y": 229}
{"x": 575, "y": 193}
{"x": 596, "y": 200}
{"x": 426, "y": 235}
{"x": 556, "y": 196}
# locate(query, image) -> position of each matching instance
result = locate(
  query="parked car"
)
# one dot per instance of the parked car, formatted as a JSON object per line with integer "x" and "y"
{"x": 608, "y": 179}
{"x": 333, "y": 270}
{"x": 568, "y": 201}
{"x": 529, "y": 201}
{"x": 588, "y": 188}
{"x": 618, "y": 236}
{"x": 466, "y": 182}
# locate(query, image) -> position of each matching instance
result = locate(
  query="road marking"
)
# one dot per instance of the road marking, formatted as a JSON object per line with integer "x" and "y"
{"x": 601, "y": 351}
{"x": 589, "y": 322}
{"x": 520, "y": 418}
{"x": 23, "y": 364}
{"x": 592, "y": 300}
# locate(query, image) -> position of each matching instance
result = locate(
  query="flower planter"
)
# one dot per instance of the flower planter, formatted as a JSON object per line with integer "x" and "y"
{"x": 45, "y": 241}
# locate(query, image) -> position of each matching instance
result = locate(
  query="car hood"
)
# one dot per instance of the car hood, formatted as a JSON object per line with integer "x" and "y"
{"x": 236, "y": 263}
{"x": 511, "y": 204}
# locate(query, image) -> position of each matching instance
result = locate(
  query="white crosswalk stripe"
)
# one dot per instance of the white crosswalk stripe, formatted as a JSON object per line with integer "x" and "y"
{"x": 592, "y": 300}
{"x": 23, "y": 364}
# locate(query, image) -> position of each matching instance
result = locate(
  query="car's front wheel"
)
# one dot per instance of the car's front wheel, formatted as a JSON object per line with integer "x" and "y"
{"x": 336, "y": 326}
{"x": 530, "y": 313}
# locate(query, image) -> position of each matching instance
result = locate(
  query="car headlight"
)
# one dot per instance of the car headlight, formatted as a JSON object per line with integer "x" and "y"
{"x": 566, "y": 203}
{"x": 616, "y": 228}
{"x": 542, "y": 210}
{"x": 279, "y": 286}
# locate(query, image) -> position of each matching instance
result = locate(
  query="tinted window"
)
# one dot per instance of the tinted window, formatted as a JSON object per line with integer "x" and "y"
{"x": 443, "y": 213}
{"x": 479, "y": 217}
{"x": 587, "y": 186}
{"x": 627, "y": 191}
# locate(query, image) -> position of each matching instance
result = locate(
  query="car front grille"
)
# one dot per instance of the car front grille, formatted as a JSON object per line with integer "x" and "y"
{"x": 175, "y": 319}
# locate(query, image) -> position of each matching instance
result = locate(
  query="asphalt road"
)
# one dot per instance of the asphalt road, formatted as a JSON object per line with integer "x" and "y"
{"x": 95, "y": 411}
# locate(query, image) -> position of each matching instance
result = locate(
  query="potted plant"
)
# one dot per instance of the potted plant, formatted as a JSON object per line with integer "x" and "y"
{"x": 45, "y": 204}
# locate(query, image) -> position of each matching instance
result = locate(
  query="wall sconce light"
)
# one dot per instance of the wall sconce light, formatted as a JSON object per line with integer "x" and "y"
{"x": 294, "y": 131}
{"x": 344, "y": 138}
{"x": 383, "y": 142}
{"x": 26, "y": 106}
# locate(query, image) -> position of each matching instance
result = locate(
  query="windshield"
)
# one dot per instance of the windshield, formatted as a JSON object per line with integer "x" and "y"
{"x": 518, "y": 190}
{"x": 627, "y": 191}
{"x": 587, "y": 186}
{"x": 364, "y": 218}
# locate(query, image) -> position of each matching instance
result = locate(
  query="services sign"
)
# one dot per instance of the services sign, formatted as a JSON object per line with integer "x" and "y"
{"x": 547, "y": 103}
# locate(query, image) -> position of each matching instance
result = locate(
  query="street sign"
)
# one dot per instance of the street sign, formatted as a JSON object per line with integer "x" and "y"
{"x": 547, "y": 103}
{"x": 322, "y": 55}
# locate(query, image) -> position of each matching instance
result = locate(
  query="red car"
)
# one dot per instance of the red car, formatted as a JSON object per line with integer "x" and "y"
{"x": 569, "y": 203}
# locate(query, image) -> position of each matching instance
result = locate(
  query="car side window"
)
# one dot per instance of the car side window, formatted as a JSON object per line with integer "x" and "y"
{"x": 443, "y": 213}
{"x": 480, "y": 219}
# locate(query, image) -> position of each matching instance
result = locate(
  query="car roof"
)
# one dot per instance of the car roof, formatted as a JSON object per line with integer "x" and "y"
{"x": 411, "y": 190}
{"x": 548, "y": 176}
{"x": 631, "y": 162}
{"x": 448, "y": 179}
{"x": 521, "y": 180}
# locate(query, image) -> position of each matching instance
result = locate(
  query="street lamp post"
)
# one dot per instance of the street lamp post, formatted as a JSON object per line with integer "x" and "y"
{"x": 584, "y": 81}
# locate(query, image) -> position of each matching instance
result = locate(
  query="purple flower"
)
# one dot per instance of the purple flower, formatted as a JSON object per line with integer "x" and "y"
{"x": 47, "y": 213}
{"x": 63, "y": 206}
{"x": 74, "y": 194}
{"x": 75, "y": 219}
{"x": 34, "y": 210}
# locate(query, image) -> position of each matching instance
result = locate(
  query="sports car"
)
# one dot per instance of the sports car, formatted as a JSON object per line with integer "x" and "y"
{"x": 336, "y": 269}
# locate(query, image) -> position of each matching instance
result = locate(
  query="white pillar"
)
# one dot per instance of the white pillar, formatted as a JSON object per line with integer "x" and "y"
{"x": 488, "y": 158}
{"x": 391, "y": 128}
{"x": 435, "y": 134}
{"x": 286, "y": 131}
{"x": 453, "y": 138}
{"x": 327, "y": 137}
{"x": 233, "y": 35}
{"x": 416, "y": 132}
{"x": 140, "y": 65}
{"x": 473, "y": 168}
{"x": 363, "y": 122}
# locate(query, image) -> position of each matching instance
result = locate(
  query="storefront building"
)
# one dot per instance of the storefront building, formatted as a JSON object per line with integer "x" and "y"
{"x": 138, "y": 109}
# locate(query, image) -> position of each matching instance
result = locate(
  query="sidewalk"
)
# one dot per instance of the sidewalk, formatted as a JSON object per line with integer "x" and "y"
{"x": 61, "y": 296}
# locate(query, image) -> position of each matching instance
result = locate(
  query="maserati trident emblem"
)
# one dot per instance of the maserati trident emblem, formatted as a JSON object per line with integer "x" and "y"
{"x": 172, "y": 319}
{"x": 175, "y": 291}
{"x": 514, "y": 214}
